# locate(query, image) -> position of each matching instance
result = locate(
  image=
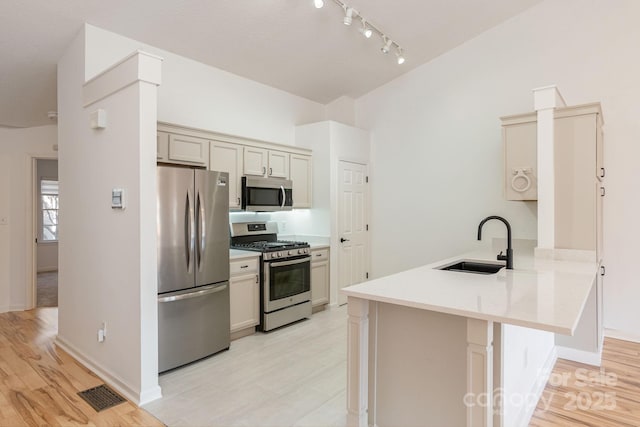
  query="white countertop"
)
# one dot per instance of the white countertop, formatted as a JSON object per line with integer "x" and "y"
{"x": 541, "y": 294}
{"x": 238, "y": 254}
{"x": 319, "y": 246}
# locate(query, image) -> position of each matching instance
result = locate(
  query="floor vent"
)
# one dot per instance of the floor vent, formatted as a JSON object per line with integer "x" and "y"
{"x": 101, "y": 397}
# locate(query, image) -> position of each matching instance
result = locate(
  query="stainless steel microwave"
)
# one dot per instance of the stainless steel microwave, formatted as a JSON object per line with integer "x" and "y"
{"x": 266, "y": 194}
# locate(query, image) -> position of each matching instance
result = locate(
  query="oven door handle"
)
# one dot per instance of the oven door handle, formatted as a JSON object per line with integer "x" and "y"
{"x": 292, "y": 262}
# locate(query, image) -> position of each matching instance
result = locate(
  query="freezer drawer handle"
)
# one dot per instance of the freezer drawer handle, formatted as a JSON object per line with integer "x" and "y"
{"x": 193, "y": 294}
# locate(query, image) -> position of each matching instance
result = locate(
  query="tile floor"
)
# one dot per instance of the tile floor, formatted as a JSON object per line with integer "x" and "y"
{"x": 294, "y": 376}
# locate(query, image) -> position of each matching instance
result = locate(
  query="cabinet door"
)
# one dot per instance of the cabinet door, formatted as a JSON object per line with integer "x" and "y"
{"x": 188, "y": 150}
{"x": 575, "y": 198}
{"x": 300, "y": 173}
{"x": 226, "y": 157}
{"x": 521, "y": 164}
{"x": 600, "y": 303}
{"x": 162, "y": 145}
{"x": 586, "y": 336}
{"x": 278, "y": 164}
{"x": 600, "y": 171}
{"x": 244, "y": 298}
{"x": 255, "y": 161}
{"x": 319, "y": 277}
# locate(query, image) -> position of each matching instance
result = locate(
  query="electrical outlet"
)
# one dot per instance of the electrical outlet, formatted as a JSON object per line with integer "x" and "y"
{"x": 100, "y": 335}
{"x": 104, "y": 329}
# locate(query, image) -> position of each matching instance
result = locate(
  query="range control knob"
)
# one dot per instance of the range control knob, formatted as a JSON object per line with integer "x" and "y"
{"x": 300, "y": 251}
{"x": 290, "y": 252}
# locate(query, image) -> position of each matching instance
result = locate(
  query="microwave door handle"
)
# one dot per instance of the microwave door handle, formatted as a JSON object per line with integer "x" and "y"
{"x": 203, "y": 231}
{"x": 284, "y": 196}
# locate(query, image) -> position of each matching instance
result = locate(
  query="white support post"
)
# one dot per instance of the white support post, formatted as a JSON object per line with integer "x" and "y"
{"x": 546, "y": 100}
{"x": 357, "y": 362}
{"x": 479, "y": 397}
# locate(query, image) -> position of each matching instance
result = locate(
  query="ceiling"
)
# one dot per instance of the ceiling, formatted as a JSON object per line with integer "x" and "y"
{"x": 287, "y": 44}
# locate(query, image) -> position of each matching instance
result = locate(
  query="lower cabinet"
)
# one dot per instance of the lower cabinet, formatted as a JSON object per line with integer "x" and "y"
{"x": 244, "y": 295}
{"x": 319, "y": 277}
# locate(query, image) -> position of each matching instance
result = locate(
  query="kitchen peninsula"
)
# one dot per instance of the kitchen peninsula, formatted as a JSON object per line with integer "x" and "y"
{"x": 425, "y": 346}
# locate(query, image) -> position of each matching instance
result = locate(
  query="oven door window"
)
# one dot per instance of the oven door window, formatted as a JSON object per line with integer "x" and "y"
{"x": 288, "y": 280}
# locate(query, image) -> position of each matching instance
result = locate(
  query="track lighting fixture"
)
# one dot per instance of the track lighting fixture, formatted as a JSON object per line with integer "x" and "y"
{"x": 367, "y": 28}
{"x": 348, "y": 15}
{"x": 387, "y": 44}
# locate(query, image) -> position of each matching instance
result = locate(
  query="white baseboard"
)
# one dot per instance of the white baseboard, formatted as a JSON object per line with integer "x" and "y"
{"x": 580, "y": 356}
{"x": 541, "y": 382}
{"x": 5, "y": 309}
{"x": 621, "y": 335}
{"x": 139, "y": 398}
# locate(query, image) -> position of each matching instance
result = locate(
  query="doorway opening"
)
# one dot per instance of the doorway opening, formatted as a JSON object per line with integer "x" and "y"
{"x": 46, "y": 207}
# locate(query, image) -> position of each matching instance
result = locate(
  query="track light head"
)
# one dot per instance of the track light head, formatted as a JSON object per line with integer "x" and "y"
{"x": 348, "y": 15}
{"x": 365, "y": 30}
{"x": 318, "y": 3}
{"x": 400, "y": 56}
{"x": 387, "y": 44}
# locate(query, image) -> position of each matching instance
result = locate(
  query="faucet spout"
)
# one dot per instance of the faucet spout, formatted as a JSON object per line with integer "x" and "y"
{"x": 509, "y": 256}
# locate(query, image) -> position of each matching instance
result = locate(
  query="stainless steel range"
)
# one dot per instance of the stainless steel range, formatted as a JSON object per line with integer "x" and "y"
{"x": 285, "y": 291}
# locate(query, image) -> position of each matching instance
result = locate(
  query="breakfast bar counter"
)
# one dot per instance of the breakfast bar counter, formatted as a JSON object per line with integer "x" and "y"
{"x": 420, "y": 342}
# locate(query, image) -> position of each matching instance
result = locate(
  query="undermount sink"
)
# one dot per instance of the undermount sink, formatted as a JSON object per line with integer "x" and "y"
{"x": 473, "y": 267}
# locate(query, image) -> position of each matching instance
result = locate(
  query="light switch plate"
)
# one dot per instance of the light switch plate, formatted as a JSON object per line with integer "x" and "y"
{"x": 117, "y": 198}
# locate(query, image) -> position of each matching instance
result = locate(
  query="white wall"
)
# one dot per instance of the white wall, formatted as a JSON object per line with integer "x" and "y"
{"x": 107, "y": 257}
{"x": 196, "y": 95}
{"x": 437, "y": 150}
{"x": 47, "y": 252}
{"x": 17, "y": 146}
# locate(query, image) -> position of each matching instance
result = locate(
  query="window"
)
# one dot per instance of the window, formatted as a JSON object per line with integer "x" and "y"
{"x": 49, "y": 204}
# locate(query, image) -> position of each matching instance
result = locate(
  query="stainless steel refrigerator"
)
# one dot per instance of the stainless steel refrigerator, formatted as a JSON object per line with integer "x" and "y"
{"x": 193, "y": 264}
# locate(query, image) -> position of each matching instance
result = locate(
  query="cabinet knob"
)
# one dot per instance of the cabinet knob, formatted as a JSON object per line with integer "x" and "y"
{"x": 602, "y": 173}
{"x": 244, "y": 266}
{"x": 238, "y": 200}
{"x": 602, "y": 191}
{"x": 264, "y": 170}
{"x": 270, "y": 171}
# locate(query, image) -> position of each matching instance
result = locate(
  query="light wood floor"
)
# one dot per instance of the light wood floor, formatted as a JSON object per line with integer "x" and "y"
{"x": 582, "y": 395}
{"x": 295, "y": 376}
{"x": 39, "y": 382}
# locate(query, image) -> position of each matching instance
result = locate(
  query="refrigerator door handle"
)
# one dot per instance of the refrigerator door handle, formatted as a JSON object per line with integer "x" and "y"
{"x": 191, "y": 231}
{"x": 202, "y": 231}
{"x": 196, "y": 294}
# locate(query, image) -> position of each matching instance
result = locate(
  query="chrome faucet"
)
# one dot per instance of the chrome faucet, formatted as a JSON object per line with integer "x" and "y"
{"x": 509, "y": 256}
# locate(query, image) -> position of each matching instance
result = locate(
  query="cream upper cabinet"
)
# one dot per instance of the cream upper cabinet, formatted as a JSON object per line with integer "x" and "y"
{"x": 255, "y": 161}
{"x": 278, "y": 164}
{"x": 578, "y": 190}
{"x": 319, "y": 277}
{"x": 162, "y": 144}
{"x": 189, "y": 150}
{"x": 244, "y": 293}
{"x": 268, "y": 163}
{"x": 300, "y": 171}
{"x": 519, "y": 136}
{"x": 227, "y": 157}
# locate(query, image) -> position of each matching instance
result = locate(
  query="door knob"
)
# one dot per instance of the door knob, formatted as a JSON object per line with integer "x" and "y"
{"x": 342, "y": 240}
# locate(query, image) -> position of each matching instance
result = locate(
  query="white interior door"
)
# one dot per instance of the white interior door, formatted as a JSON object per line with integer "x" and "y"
{"x": 352, "y": 225}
